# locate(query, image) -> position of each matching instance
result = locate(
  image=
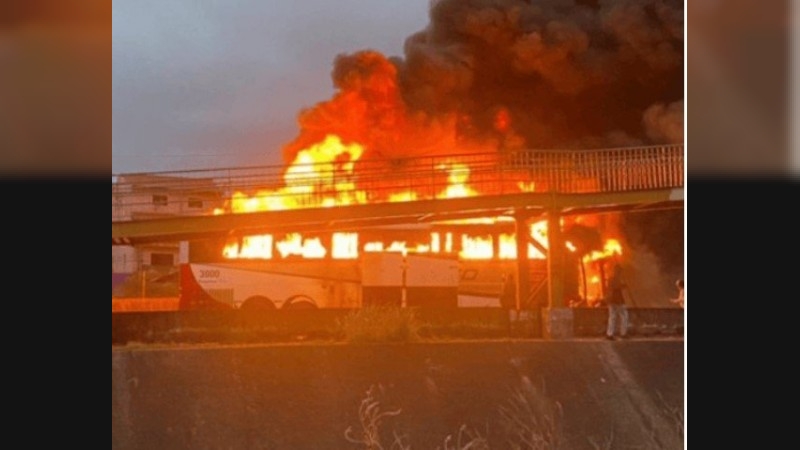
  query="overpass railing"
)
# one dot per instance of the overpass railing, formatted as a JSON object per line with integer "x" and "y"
{"x": 199, "y": 192}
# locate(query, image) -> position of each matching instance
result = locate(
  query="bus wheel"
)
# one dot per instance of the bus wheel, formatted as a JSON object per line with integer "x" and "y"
{"x": 258, "y": 303}
{"x": 299, "y": 302}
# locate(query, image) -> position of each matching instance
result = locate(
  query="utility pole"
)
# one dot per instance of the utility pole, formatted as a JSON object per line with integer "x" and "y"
{"x": 404, "y": 291}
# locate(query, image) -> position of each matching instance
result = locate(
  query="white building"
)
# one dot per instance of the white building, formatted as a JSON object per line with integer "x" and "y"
{"x": 150, "y": 196}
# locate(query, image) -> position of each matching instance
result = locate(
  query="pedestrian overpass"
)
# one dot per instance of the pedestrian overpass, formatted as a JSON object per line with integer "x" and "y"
{"x": 523, "y": 183}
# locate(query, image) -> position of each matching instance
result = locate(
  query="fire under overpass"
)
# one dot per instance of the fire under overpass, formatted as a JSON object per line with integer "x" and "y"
{"x": 525, "y": 185}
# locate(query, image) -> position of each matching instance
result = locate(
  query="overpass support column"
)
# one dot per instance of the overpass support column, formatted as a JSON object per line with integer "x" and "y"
{"x": 522, "y": 321}
{"x": 557, "y": 320}
{"x": 523, "y": 267}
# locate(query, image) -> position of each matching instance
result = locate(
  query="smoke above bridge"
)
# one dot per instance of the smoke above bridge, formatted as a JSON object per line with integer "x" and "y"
{"x": 484, "y": 78}
{"x": 502, "y": 75}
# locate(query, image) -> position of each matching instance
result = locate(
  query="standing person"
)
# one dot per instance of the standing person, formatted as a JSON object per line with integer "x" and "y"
{"x": 679, "y": 300}
{"x": 616, "y": 304}
{"x": 508, "y": 298}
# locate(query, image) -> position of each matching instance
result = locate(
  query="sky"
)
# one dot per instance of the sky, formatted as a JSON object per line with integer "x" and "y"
{"x": 205, "y": 84}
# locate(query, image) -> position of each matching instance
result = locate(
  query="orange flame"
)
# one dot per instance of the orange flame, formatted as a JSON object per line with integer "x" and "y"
{"x": 252, "y": 247}
{"x": 373, "y": 247}
{"x": 294, "y": 244}
{"x": 502, "y": 120}
{"x": 345, "y": 245}
{"x": 610, "y": 248}
{"x": 526, "y": 186}
{"x": 457, "y": 177}
{"x": 592, "y": 263}
{"x": 508, "y": 246}
{"x": 478, "y": 247}
{"x": 405, "y": 196}
{"x": 320, "y": 175}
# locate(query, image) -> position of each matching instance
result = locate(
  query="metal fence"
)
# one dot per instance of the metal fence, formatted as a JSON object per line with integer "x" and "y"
{"x": 199, "y": 192}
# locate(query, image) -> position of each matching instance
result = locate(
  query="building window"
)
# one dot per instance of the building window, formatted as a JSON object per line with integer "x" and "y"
{"x": 160, "y": 200}
{"x": 162, "y": 259}
{"x": 195, "y": 203}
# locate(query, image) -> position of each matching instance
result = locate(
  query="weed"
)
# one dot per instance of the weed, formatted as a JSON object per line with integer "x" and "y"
{"x": 466, "y": 439}
{"x": 370, "y": 417}
{"x": 531, "y": 421}
{"x": 674, "y": 413}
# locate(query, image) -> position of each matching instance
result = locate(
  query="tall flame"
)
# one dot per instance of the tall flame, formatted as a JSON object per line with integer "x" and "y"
{"x": 458, "y": 175}
{"x": 610, "y": 248}
{"x": 320, "y": 175}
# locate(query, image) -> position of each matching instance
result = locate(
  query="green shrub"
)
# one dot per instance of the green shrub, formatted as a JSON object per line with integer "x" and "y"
{"x": 380, "y": 324}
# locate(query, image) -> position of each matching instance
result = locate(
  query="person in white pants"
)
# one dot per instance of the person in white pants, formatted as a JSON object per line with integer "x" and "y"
{"x": 616, "y": 305}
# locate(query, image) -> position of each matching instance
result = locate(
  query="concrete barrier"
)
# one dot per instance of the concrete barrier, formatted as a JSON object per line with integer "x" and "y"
{"x": 148, "y": 304}
{"x": 287, "y": 326}
{"x": 643, "y": 321}
{"x": 584, "y": 393}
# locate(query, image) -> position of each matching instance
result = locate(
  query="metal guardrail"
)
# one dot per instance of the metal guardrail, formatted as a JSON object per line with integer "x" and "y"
{"x": 198, "y": 192}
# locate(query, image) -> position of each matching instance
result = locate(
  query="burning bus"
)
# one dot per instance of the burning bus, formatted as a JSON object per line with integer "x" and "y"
{"x": 425, "y": 265}
{"x": 374, "y": 279}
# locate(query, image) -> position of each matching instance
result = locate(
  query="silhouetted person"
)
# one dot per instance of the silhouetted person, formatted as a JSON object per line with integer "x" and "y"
{"x": 508, "y": 298}
{"x": 680, "y": 299}
{"x": 616, "y": 304}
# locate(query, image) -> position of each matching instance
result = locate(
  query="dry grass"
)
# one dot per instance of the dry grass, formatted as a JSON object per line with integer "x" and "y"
{"x": 530, "y": 420}
{"x": 370, "y": 417}
{"x": 466, "y": 439}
